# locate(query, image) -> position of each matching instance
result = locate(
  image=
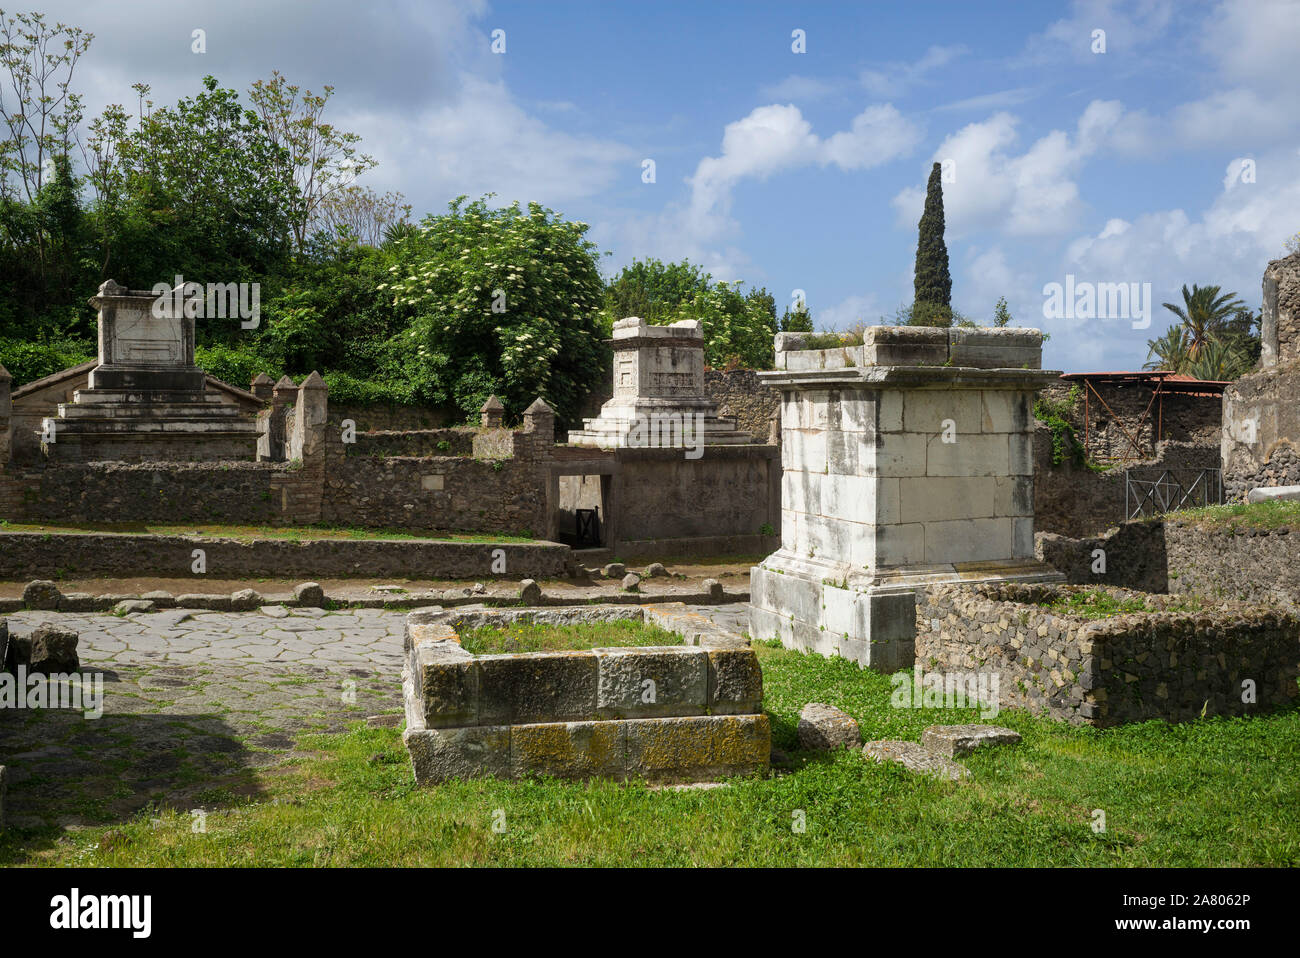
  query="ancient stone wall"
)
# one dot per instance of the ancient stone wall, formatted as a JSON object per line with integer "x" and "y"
{"x": 740, "y": 394}
{"x": 1129, "y": 414}
{"x": 1280, "y": 318}
{"x": 1261, "y": 425}
{"x": 31, "y": 554}
{"x": 442, "y": 493}
{"x": 1080, "y": 501}
{"x": 377, "y": 417}
{"x": 1257, "y": 565}
{"x": 1173, "y": 665}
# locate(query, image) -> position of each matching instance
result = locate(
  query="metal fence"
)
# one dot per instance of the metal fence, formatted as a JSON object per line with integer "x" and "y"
{"x": 1167, "y": 493}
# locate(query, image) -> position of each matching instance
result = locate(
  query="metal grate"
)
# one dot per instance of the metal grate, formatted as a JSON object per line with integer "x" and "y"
{"x": 1166, "y": 493}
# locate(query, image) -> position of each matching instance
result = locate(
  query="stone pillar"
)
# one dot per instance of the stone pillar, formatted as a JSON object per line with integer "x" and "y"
{"x": 539, "y": 419}
{"x": 308, "y": 440}
{"x": 6, "y": 414}
{"x": 261, "y": 387}
{"x": 492, "y": 415}
{"x": 907, "y": 462}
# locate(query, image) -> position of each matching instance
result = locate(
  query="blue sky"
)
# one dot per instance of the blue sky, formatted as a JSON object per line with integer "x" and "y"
{"x": 807, "y": 170}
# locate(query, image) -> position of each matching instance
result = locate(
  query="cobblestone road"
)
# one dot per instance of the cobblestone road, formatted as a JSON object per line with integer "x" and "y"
{"x": 193, "y": 699}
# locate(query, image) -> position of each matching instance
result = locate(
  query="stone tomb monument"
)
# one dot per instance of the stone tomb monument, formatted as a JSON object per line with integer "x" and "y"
{"x": 659, "y": 399}
{"x": 146, "y": 399}
{"x": 907, "y": 461}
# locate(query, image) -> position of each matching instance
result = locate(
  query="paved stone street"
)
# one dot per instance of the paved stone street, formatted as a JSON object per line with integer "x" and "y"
{"x": 194, "y": 700}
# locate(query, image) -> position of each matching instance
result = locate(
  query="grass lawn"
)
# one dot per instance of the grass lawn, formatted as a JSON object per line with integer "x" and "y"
{"x": 242, "y": 532}
{"x": 1212, "y": 792}
{"x": 1096, "y": 604}
{"x": 530, "y": 637}
{"x": 1271, "y": 514}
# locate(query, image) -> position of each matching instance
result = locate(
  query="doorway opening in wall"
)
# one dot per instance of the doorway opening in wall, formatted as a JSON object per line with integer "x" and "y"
{"x": 582, "y": 513}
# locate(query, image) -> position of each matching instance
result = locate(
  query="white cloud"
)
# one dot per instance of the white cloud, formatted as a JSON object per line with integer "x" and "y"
{"x": 1129, "y": 28}
{"x": 1030, "y": 194}
{"x": 774, "y": 139}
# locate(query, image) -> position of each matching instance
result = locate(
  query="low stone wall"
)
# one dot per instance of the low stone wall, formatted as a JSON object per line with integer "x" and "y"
{"x": 1230, "y": 659}
{"x": 26, "y": 555}
{"x": 579, "y": 714}
{"x": 239, "y": 492}
{"x": 370, "y": 417}
{"x": 1257, "y": 565}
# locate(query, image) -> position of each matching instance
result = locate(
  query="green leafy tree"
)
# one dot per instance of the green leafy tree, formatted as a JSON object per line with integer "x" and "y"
{"x": 501, "y": 301}
{"x": 798, "y": 321}
{"x": 319, "y": 159}
{"x": 653, "y": 290}
{"x": 1001, "y": 314}
{"x": 932, "y": 284}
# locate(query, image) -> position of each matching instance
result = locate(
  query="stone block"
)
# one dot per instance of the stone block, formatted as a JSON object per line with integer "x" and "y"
{"x": 130, "y": 606}
{"x": 204, "y": 600}
{"x": 915, "y": 758}
{"x": 931, "y": 411}
{"x": 575, "y": 750}
{"x": 538, "y": 687}
{"x": 447, "y": 682}
{"x": 308, "y": 594}
{"x": 904, "y": 346}
{"x": 530, "y": 593}
{"x": 42, "y": 594}
{"x": 735, "y": 681}
{"x": 969, "y": 540}
{"x": 702, "y": 748}
{"x": 440, "y": 755}
{"x": 645, "y": 683}
{"x": 245, "y": 600}
{"x": 938, "y": 498}
{"x": 957, "y": 740}
{"x": 53, "y": 650}
{"x": 899, "y": 454}
{"x": 972, "y": 454}
{"x": 824, "y": 727}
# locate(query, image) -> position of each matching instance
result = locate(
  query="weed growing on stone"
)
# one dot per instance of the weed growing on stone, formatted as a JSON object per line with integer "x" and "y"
{"x": 528, "y": 637}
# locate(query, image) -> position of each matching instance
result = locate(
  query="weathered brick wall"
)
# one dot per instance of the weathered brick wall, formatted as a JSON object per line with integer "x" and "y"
{"x": 375, "y": 417}
{"x": 1261, "y": 426}
{"x": 420, "y": 442}
{"x": 1175, "y": 416}
{"x": 1169, "y": 664}
{"x": 238, "y": 492}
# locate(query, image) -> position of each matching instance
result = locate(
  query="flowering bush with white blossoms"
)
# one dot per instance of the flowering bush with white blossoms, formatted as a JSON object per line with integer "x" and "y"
{"x": 501, "y": 301}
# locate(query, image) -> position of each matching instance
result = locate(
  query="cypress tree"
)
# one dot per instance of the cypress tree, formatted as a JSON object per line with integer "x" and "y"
{"x": 932, "y": 284}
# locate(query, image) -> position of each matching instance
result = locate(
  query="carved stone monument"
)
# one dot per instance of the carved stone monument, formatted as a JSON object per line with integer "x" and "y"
{"x": 906, "y": 461}
{"x": 146, "y": 398}
{"x": 659, "y": 392}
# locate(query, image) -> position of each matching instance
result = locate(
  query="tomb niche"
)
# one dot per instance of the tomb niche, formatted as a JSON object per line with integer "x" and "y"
{"x": 146, "y": 399}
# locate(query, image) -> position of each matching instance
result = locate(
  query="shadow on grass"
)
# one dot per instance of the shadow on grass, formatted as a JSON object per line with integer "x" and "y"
{"x": 67, "y": 769}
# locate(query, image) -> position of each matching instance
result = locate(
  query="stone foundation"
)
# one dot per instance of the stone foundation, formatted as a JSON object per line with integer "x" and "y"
{"x": 582, "y": 714}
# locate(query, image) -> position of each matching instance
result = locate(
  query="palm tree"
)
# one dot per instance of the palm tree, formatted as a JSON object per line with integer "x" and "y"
{"x": 1219, "y": 362}
{"x": 1170, "y": 350}
{"x": 1204, "y": 313}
